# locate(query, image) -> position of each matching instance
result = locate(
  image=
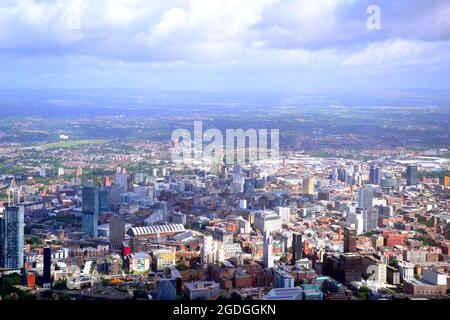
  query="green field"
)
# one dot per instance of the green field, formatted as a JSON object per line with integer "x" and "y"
{"x": 69, "y": 144}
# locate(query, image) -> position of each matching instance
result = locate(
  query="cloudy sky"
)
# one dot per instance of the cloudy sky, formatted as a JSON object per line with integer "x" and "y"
{"x": 224, "y": 45}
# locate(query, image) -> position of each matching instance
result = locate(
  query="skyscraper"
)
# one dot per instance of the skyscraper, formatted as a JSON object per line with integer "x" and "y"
{"x": 334, "y": 175}
{"x": 47, "y": 276}
{"x": 349, "y": 240}
{"x": 297, "y": 246}
{"x": 268, "y": 253}
{"x": 104, "y": 198}
{"x": 91, "y": 208}
{"x": 308, "y": 185}
{"x": 116, "y": 233}
{"x": 411, "y": 175}
{"x": 11, "y": 238}
{"x": 365, "y": 197}
{"x": 374, "y": 174}
{"x": 209, "y": 251}
{"x": 370, "y": 219}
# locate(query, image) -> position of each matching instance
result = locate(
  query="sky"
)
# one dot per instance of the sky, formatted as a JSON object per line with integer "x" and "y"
{"x": 224, "y": 45}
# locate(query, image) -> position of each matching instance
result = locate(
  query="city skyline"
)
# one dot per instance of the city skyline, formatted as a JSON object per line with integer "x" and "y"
{"x": 224, "y": 150}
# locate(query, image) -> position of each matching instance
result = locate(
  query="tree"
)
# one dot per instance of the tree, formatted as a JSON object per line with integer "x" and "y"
{"x": 181, "y": 266}
{"x": 363, "y": 293}
{"x": 8, "y": 282}
{"x": 394, "y": 263}
{"x": 60, "y": 285}
{"x": 235, "y": 296}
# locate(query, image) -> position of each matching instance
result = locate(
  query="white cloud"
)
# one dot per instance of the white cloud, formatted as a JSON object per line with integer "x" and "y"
{"x": 254, "y": 36}
{"x": 398, "y": 53}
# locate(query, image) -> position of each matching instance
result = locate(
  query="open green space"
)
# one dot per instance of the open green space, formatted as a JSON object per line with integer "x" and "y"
{"x": 70, "y": 143}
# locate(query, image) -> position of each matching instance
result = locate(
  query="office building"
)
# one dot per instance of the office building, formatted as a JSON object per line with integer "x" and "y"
{"x": 370, "y": 219}
{"x": 116, "y": 233}
{"x": 121, "y": 179}
{"x": 282, "y": 279}
{"x": 374, "y": 174}
{"x": 365, "y": 197}
{"x": 223, "y": 235}
{"x": 47, "y": 276}
{"x": 91, "y": 209}
{"x": 297, "y": 246}
{"x": 411, "y": 175}
{"x": 244, "y": 226}
{"x": 308, "y": 186}
{"x": 163, "y": 258}
{"x": 284, "y": 213}
{"x": 350, "y": 267}
{"x": 12, "y": 238}
{"x": 392, "y": 275}
{"x": 166, "y": 288}
{"x": 268, "y": 251}
{"x": 209, "y": 251}
{"x": 349, "y": 240}
{"x": 267, "y": 221}
{"x": 202, "y": 290}
{"x": 179, "y": 217}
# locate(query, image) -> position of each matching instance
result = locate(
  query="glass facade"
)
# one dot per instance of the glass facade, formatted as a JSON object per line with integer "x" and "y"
{"x": 12, "y": 238}
{"x": 91, "y": 209}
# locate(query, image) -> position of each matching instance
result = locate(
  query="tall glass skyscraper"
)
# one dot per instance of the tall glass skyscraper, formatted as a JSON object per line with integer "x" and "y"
{"x": 374, "y": 174}
{"x": 91, "y": 209}
{"x": 11, "y": 238}
{"x": 47, "y": 277}
{"x": 411, "y": 175}
{"x": 365, "y": 197}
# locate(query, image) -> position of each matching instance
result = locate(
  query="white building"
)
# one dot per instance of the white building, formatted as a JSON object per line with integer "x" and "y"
{"x": 406, "y": 270}
{"x": 244, "y": 226}
{"x": 43, "y": 172}
{"x": 268, "y": 250}
{"x": 163, "y": 258}
{"x": 284, "y": 213}
{"x": 228, "y": 251}
{"x": 434, "y": 277}
{"x": 356, "y": 220}
{"x": 267, "y": 221}
{"x": 209, "y": 251}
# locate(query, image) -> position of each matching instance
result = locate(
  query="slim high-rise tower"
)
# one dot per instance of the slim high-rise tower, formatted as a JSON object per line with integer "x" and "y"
{"x": 374, "y": 174}
{"x": 411, "y": 175}
{"x": 365, "y": 197}
{"x": 349, "y": 240}
{"x": 11, "y": 238}
{"x": 116, "y": 233}
{"x": 91, "y": 209}
{"x": 268, "y": 250}
{"x": 297, "y": 246}
{"x": 47, "y": 277}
